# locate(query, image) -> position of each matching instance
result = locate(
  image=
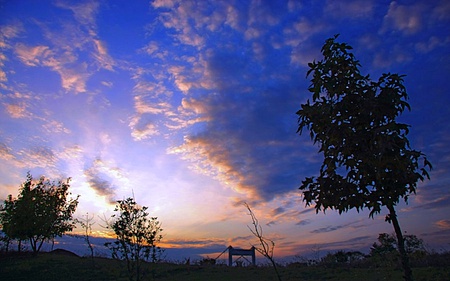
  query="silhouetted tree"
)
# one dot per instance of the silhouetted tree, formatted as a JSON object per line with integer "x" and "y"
{"x": 137, "y": 236}
{"x": 40, "y": 213}
{"x": 86, "y": 223}
{"x": 267, "y": 245}
{"x": 388, "y": 244}
{"x": 368, "y": 161}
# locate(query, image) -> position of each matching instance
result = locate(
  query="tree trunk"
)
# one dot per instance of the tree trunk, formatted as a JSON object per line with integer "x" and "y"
{"x": 7, "y": 244}
{"x": 401, "y": 244}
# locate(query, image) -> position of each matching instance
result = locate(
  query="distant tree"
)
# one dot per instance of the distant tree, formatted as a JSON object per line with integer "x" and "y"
{"x": 40, "y": 213}
{"x": 267, "y": 245}
{"x": 368, "y": 161}
{"x": 388, "y": 244}
{"x": 137, "y": 236}
{"x": 6, "y": 211}
{"x": 342, "y": 258}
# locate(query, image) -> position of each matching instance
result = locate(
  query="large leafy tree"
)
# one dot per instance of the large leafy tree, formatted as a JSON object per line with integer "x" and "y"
{"x": 367, "y": 158}
{"x": 41, "y": 212}
{"x": 137, "y": 236}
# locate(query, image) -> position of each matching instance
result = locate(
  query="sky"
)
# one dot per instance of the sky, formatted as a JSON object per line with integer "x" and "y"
{"x": 189, "y": 106}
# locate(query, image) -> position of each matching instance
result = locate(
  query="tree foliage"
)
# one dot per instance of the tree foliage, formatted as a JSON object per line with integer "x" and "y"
{"x": 367, "y": 158}
{"x": 137, "y": 236}
{"x": 41, "y": 212}
{"x": 368, "y": 162}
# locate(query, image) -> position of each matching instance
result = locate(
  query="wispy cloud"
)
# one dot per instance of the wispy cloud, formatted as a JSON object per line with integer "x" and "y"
{"x": 71, "y": 152}
{"x": 84, "y": 13}
{"x": 7, "y": 33}
{"x": 444, "y": 224}
{"x": 331, "y": 228}
{"x": 38, "y": 156}
{"x": 6, "y": 152}
{"x": 62, "y": 51}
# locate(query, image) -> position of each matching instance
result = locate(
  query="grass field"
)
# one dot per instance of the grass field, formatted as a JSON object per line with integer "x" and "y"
{"x": 64, "y": 266}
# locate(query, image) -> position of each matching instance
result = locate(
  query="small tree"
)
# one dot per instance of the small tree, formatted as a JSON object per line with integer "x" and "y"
{"x": 368, "y": 162}
{"x": 86, "y": 223}
{"x": 267, "y": 245}
{"x": 137, "y": 236}
{"x": 40, "y": 213}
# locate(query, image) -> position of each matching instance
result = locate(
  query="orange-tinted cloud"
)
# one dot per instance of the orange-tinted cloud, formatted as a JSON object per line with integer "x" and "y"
{"x": 444, "y": 224}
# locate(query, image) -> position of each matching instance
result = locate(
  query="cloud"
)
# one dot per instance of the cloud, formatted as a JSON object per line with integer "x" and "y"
{"x": 73, "y": 76}
{"x": 234, "y": 143}
{"x": 10, "y": 31}
{"x": 17, "y": 110}
{"x": 407, "y": 19}
{"x": 432, "y": 43}
{"x": 7, "y": 33}
{"x": 236, "y": 117}
{"x": 66, "y": 47}
{"x": 441, "y": 11}
{"x": 32, "y": 56}
{"x": 437, "y": 203}
{"x": 38, "y": 156}
{"x": 352, "y": 9}
{"x": 84, "y": 13}
{"x": 327, "y": 229}
{"x": 224, "y": 99}
{"x": 71, "y": 152}
{"x": 200, "y": 243}
{"x": 234, "y": 18}
{"x": 180, "y": 17}
{"x": 277, "y": 211}
{"x": 100, "y": 54}
{"x": 430, "y": 196}
{"x": 101, "y": 186}
{"x": 356, "y": 242}
{"x": 6, "y": 152}
{"x": 303, "y": 222}
{"x": 444, "y": 224}
{"x": 53, "y": 126}
{"x": 101, "y": 176}
{"x": 163, "y": 3}
{"x": 60, "y": 57}
{"x": 144, "y": 131}
{"x": 330, "y": 228}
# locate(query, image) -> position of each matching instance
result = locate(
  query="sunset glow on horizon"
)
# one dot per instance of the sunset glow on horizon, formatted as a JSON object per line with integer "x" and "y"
{"x": 189, "y": 106}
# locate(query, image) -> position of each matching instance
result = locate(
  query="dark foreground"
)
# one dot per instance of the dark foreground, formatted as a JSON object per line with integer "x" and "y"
{"x": 65, "y": 266}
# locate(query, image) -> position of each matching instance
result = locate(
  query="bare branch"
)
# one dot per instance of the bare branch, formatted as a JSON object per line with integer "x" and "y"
{"x": 267, "y": 245}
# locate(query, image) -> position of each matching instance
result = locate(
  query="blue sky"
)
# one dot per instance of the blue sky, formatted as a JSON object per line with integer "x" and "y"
{"x": 190, "y": 106}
